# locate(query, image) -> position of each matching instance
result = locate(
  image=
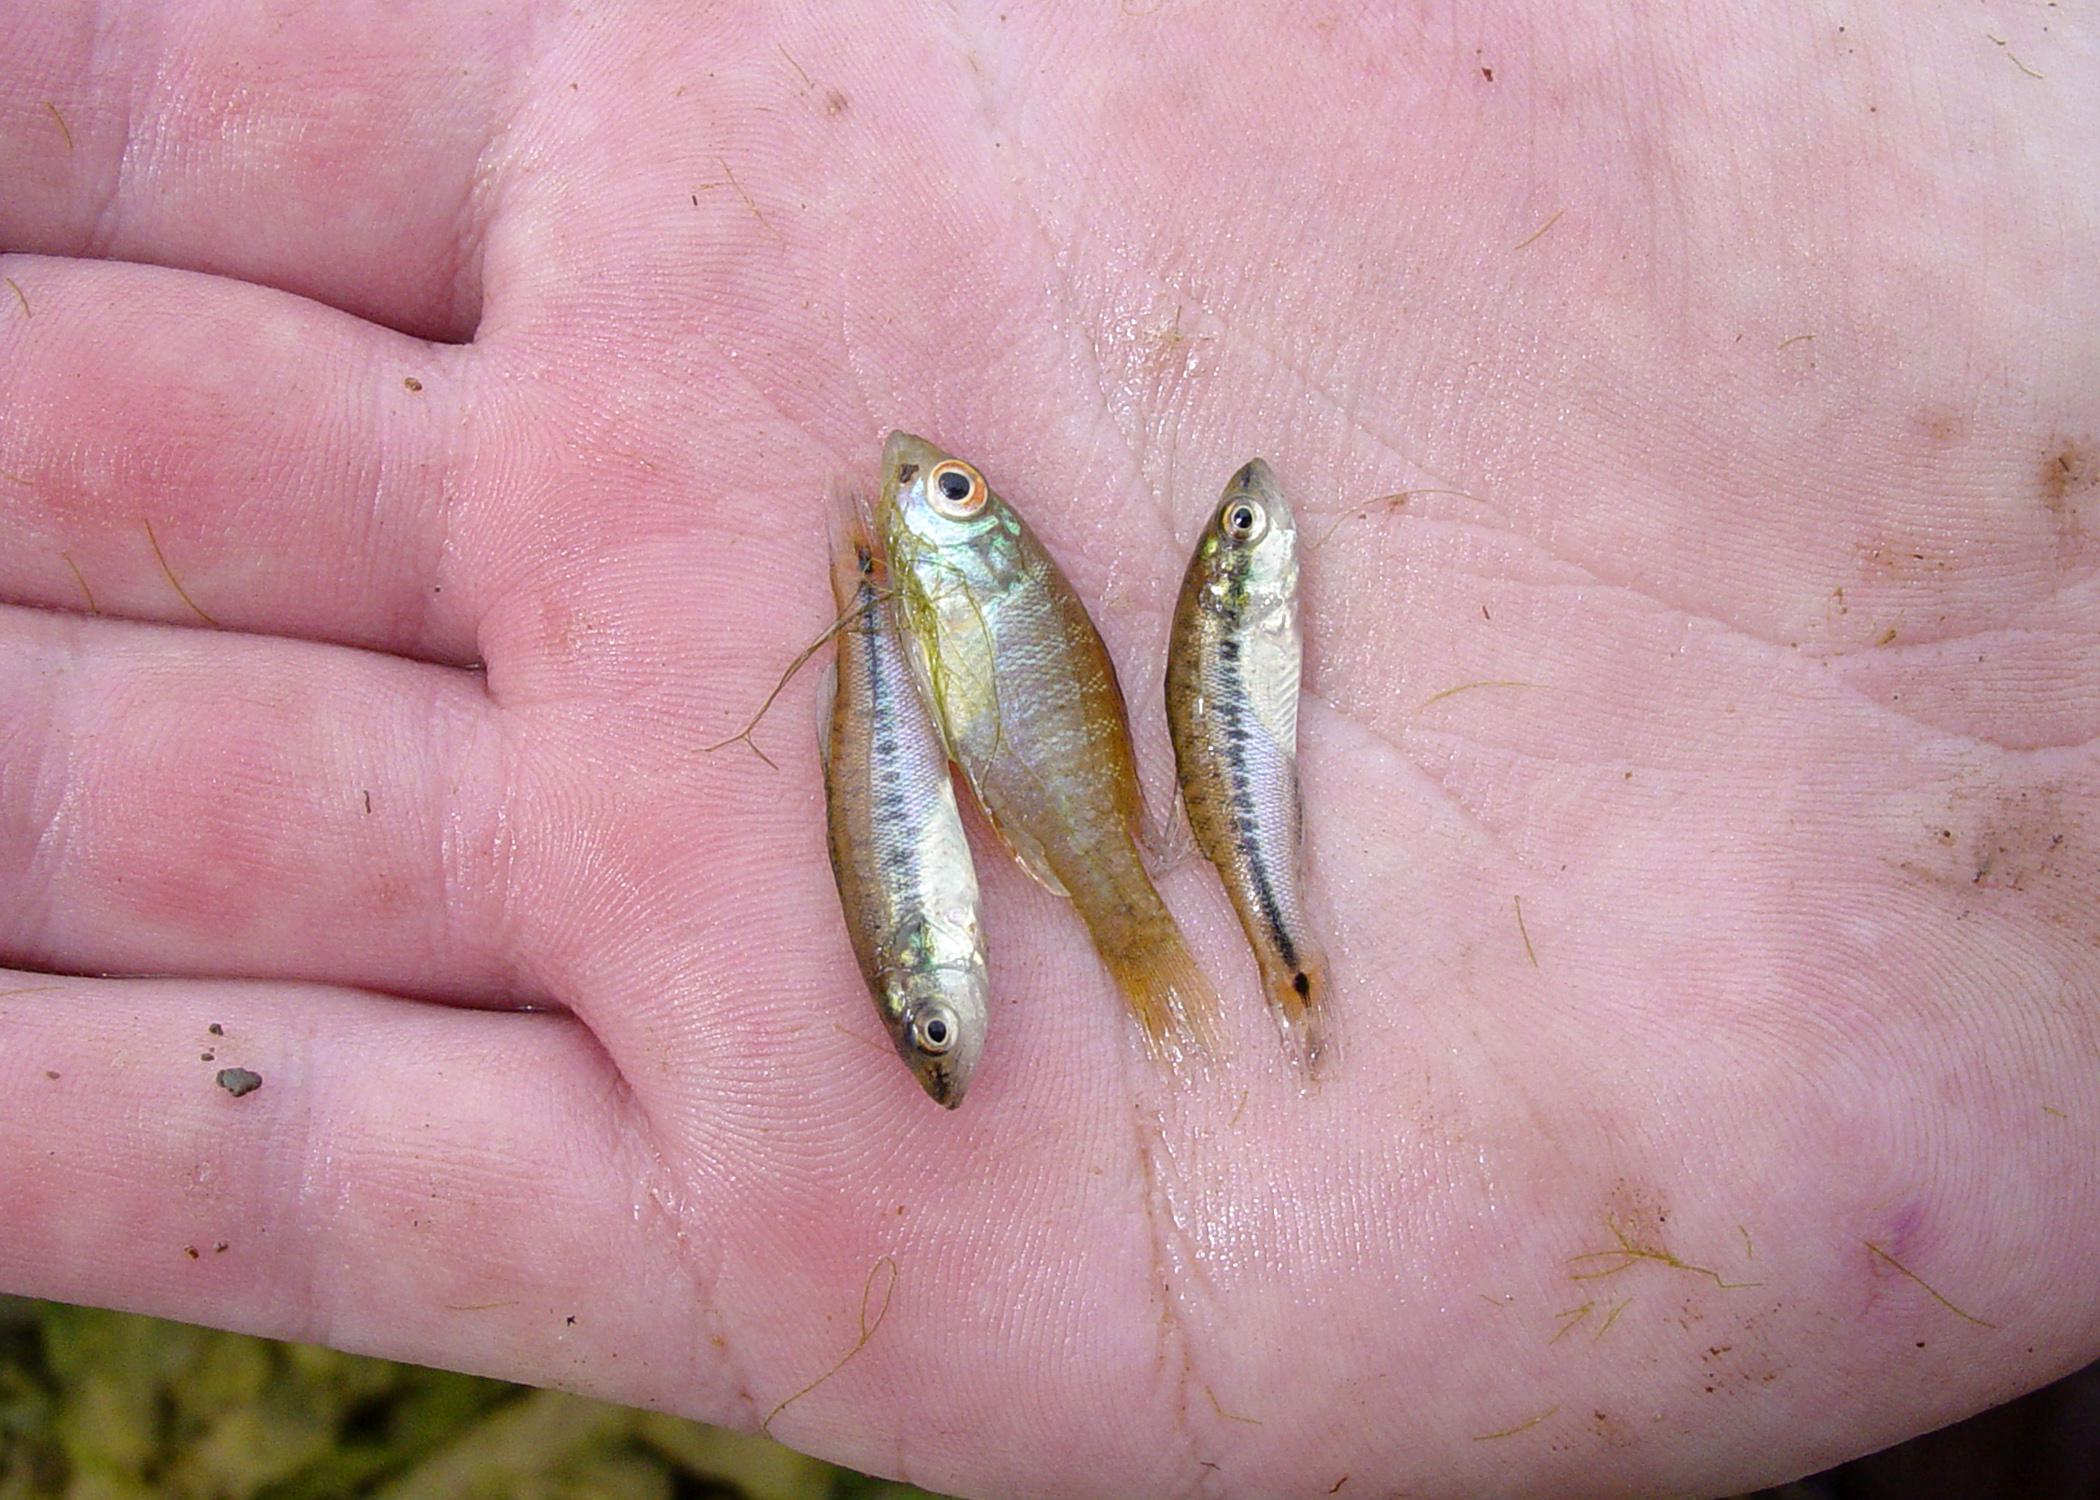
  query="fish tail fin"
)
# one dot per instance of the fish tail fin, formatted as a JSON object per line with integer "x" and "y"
{"x": 1164, "y": 986}
{"x": 855, "y": 560}
{"x": 1297, "y": 995}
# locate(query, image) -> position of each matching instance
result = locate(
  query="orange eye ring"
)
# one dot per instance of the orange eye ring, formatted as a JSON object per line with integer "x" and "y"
{"x": 956, "y": 490}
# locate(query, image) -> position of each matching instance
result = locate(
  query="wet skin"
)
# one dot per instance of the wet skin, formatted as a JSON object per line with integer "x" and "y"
{"x": 477, "y": 371}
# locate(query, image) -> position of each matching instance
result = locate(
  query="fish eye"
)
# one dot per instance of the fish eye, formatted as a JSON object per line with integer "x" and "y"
{"x": 956, "y": 489}
{"x": 1243, "y": 520}
{"x": 933, "y": 1030}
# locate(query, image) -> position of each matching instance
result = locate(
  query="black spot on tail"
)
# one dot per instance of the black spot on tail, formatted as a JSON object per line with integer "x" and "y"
{"x": 1302, "y": 985}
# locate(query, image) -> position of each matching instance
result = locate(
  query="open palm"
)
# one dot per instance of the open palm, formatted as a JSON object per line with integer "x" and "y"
{"x": 416, "y": 424}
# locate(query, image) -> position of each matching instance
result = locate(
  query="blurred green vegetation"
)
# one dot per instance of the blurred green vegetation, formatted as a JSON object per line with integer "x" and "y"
{"x": 107, "y": 1406}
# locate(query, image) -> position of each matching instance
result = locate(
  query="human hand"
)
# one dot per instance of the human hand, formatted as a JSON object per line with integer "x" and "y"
{"x": 1699, "y": 761}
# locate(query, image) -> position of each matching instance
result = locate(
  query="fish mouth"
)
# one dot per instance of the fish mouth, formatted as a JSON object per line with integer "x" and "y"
{"x": 1253, "y": 477}
{"x": 945, "y": 1088}
{"x": 945, "y": 1080}
{"x": 905, "y": 456}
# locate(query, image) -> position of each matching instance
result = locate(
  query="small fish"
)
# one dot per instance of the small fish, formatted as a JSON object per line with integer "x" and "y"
{"x": 1232, "y": 708}
{"x": 1027, "y": 700}
{"x": 898, "y": 852}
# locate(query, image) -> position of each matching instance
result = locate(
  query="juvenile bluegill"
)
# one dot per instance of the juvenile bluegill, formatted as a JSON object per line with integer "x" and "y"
{"x": 1232, "y": 708}
{"x": 1027, "y": 700}
{"x": 898, "y": 853}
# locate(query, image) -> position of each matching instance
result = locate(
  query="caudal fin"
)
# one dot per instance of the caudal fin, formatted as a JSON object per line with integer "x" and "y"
{"x": 1164, "y": 986}
{"x": 1297, "y": 998}
{"x": 854, "y": 558}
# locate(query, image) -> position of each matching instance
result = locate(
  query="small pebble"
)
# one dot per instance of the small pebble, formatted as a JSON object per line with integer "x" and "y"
{"x": 239, "y": 1081}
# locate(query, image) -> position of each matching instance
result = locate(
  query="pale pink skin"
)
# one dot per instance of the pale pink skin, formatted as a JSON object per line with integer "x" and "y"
{"x": 1804, "y": 355}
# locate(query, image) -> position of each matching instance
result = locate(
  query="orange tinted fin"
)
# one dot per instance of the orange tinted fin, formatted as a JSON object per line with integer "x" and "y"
{"x": 1164, "y": 986}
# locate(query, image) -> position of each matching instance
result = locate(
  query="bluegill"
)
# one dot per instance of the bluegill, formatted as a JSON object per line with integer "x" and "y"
{"x": 1233, "y": 665}
{"x": 905, "y": 879}
{"x": 1027, "y": 700}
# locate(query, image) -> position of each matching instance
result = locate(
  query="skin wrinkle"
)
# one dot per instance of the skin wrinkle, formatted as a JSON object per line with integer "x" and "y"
{"x": 449, "y": 486}
{"x": 1071, "y": 322}
{"x": 833, "y": 460}
{"x": 310, "y": 1156}
{"x": 701, "y": 1279}
{"x": 1174, "y": 1333}
{"x": 47, "y": 778}
{"x": 1600, "y": 578}
{"x": 1390, "y": 745}
{"x": 1729, "y": 629}
{"x": 443, "y": 564}
{"x": 481, "y": 206}
{"x": 479, "y": 903}
{"x": 851, "y": 362}
{"x": 1522, "y": 757}
{"x": 101, "y": 224}
{"x": 1350, "y": 412}
{"x": 496, "y": 168}
{"x": 472, "y": 222}
{"x": 448, "y": 870}
{"x": 1906, "y": 644}
{"x": 1961, "y": 736}
{"x": 1857, "y": 695}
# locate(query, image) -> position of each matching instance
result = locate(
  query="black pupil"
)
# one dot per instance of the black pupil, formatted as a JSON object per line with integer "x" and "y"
{"x": 936, "y": 1031}
{"x": 1241, "y": 519}
{"x": 955, "y": 485}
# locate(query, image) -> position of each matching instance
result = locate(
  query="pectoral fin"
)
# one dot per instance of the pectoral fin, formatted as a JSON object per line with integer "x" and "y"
{"x": 1028, "y": 854}
{"x": 827, "y": 696}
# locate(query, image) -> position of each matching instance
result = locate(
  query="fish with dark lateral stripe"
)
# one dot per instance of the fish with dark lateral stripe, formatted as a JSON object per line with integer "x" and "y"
{"x": 898, "y": 853}
{"x": 1233, "y": 666}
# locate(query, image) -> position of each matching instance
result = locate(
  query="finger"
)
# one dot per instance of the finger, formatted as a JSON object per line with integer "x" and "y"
{"x": 331, "y": 150}
{"x": 194, "y": 450}
{"x": 175, "y": 802}
{"x": 445, "y": 1186}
